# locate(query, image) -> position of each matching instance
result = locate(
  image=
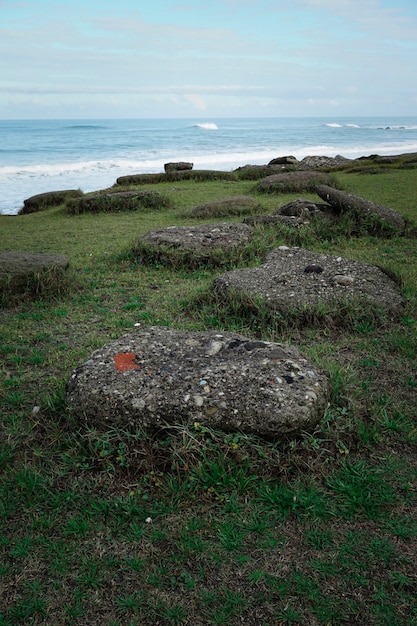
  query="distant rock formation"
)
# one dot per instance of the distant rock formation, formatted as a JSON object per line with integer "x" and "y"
{"x": 178, "y": 167}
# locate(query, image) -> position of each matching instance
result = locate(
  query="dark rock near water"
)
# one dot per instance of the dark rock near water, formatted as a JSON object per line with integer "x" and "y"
{"x": 343, "y": 202}
{"x": 45, "y": 200}
{"x": 223, "y": 381}
{"x": 290, "y": 280}
{"x": 178, "y": 167}
{"x": 284, "y": 160}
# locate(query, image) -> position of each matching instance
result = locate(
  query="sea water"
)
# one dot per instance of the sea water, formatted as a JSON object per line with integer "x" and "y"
{"x": 37, "y": 156}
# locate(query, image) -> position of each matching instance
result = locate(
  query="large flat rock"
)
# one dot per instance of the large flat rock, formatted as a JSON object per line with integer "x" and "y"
{"x": 223, "y": 381}
{"x": 210, "y": 243}
{"x": 293, "y": 278}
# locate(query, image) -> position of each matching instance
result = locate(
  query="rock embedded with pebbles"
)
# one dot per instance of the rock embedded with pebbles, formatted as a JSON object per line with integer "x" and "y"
{"x": 224, "y": 381}
{"x": 292, "y": 279}
{"x": 211, "y": 243}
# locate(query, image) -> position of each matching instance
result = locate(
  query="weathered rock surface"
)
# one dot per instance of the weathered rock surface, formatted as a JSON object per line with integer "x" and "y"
{"x": 343, "y": 202}
{"x": 20, "y": 270}
{"x": 199, "y": 242}
{"x": 178, "y": 167}
{"x": 45, "y": 200}
{"x": 301, "y": 208}
{"x": 292, "y": 278}
{"x": 302, "y": 180}
{"x": 232, "y": 205}
{"x": 223, "y": 381}
{"x": 317, "y": 162}
{"x": 256, "y": 172}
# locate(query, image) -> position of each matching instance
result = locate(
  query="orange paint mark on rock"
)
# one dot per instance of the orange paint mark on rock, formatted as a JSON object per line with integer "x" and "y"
{"x": 125, "y": 361}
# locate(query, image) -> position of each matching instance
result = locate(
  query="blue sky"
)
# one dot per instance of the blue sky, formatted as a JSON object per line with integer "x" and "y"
{"x": 218, "y": 58}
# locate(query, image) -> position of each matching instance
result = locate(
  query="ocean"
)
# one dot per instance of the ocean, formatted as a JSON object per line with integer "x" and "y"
{"x": 48, "y": 155}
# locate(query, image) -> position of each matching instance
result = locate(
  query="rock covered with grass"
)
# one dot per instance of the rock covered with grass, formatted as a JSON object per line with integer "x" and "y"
{"x": 231, "y": 205}
{"x": 294, "y": 182}
{"x": 294, "y": 281}
{"x": 210, "y": 244}
{"x": 222, "y": 381}
{"x": 383, "y": 218}
{"x": 31, "y": 273}
{"x": 142, "y": 200}
{"x": 42, "y": 201}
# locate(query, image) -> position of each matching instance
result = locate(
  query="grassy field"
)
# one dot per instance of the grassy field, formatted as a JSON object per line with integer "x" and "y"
{"x": 193, "y": 526}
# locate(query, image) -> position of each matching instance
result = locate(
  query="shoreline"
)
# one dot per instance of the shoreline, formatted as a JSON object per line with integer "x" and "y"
{"x": 334, "y": 163}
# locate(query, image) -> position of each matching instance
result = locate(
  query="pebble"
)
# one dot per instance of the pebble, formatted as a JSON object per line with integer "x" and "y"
{"x": 343, "y": 279}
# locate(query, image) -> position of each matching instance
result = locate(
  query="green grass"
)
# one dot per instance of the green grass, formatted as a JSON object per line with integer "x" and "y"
{"x": 192, "y": 526}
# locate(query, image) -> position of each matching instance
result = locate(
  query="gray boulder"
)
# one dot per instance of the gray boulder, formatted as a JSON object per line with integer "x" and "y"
{"x": 292, "y": 279}
{"x": 192, "y": 245}
{"x": 289, "y": 182}
{"x": 224, "y": 381}
{"x": 300, "y": 208}
{"x": 30, "y": 271}
{"x": 343, "y": 202}
{"x": 317, "y": 162}
{"x": 178, "y": 167}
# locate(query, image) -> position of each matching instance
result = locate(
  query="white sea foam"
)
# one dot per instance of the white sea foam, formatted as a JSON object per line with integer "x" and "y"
{"x": 207, "y": 126}
{"x": 35, "y": 160}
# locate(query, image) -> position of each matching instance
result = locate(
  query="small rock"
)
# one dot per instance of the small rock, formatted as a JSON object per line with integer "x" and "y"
{"x": 313, "y": 269}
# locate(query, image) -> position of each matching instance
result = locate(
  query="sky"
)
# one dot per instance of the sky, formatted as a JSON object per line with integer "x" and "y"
{"x": 85, "y": 59}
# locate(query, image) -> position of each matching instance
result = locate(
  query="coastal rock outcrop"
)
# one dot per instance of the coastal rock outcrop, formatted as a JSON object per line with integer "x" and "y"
{"x": 178, "y": 167}
{"x": 224, "y": 381}
{"x": 318, "y": 162}
{"x": 42, "y": 201}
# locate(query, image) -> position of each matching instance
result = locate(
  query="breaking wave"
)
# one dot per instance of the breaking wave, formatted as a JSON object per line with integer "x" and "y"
{"x": 207, "y": 126}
